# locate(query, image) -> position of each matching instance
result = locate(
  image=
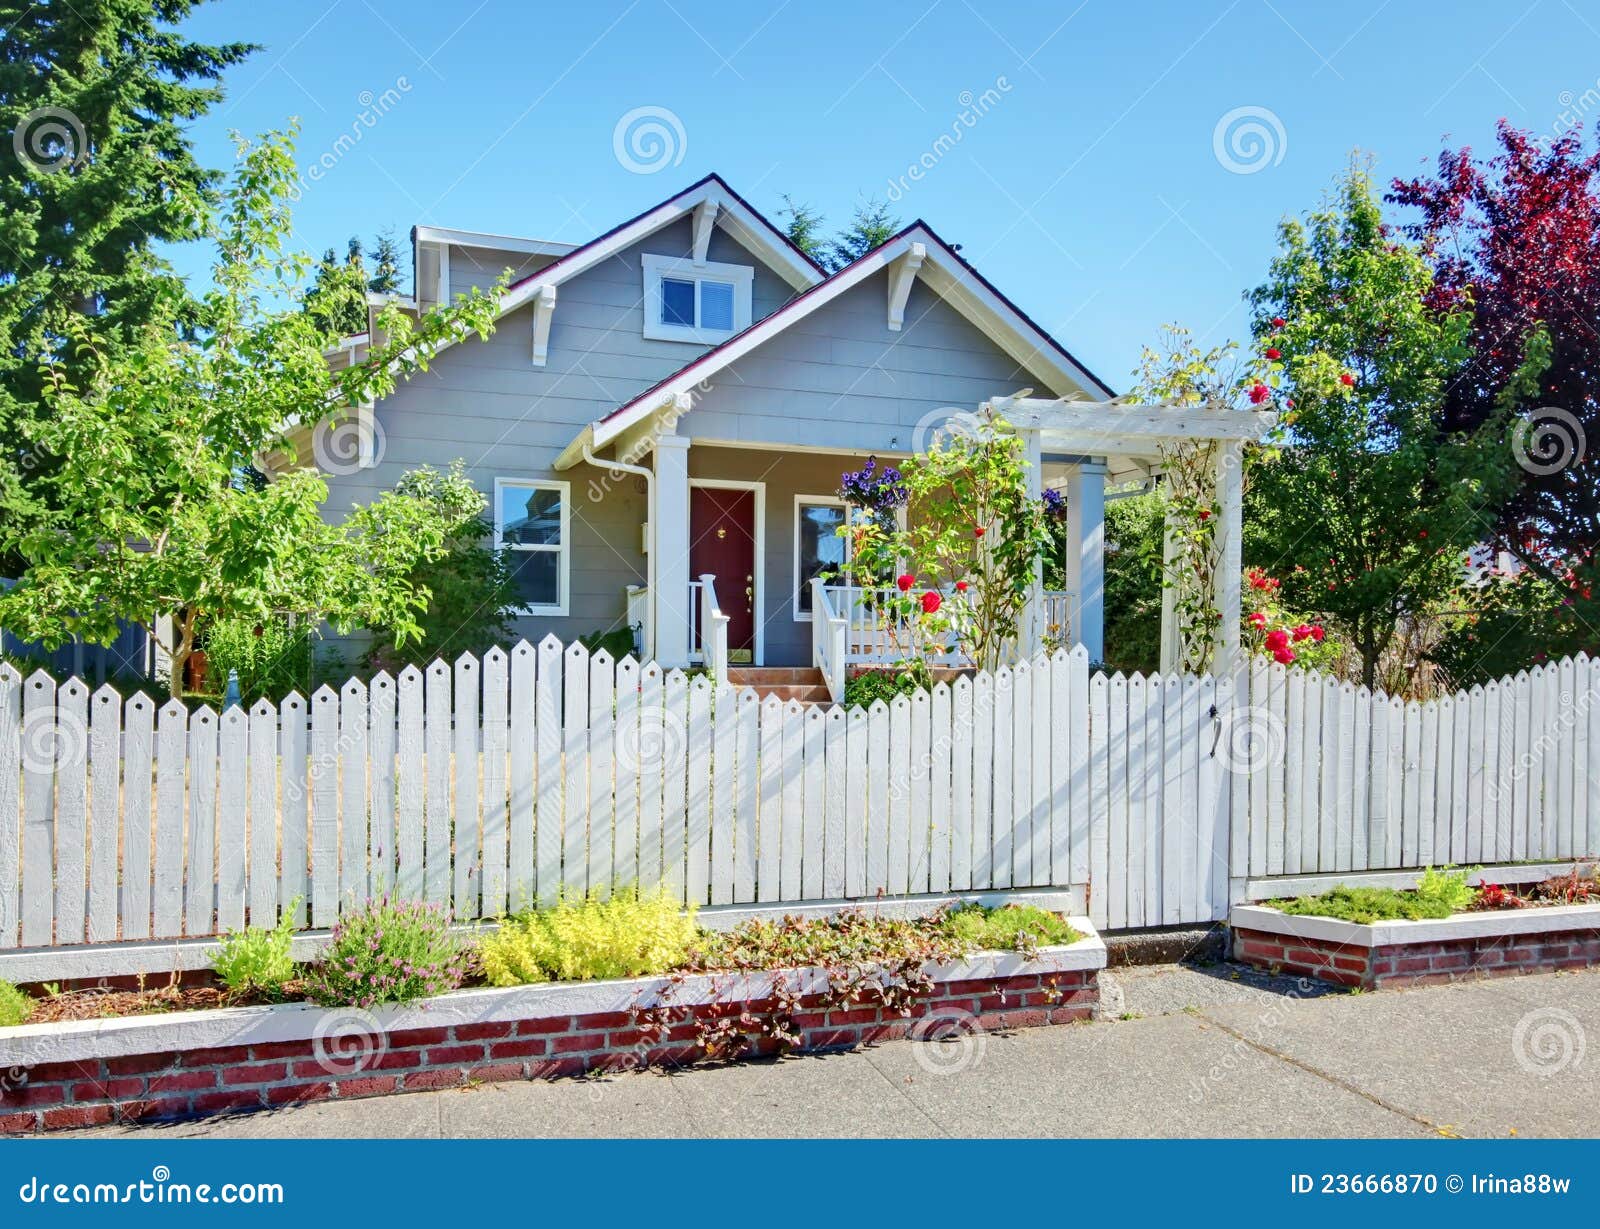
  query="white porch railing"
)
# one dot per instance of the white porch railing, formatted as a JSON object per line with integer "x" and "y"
{"x": 639, "y": 619}
{"x": 1057, "y": 630}
{"x": 830, "y": 640}
{"x": 710, "y": 638}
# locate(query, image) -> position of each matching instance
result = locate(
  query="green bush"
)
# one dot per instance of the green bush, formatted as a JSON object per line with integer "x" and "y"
{"x": 1439, "y": 893}
{"x": 388, "y": 951}
{"x": 628, "y": 935}
{"x": 618, "y": 642}
{"x": 866, "y": 686}
{"x": 273, "y": 657}
{"x": 15, "y": 1006}
{"x": 1010, "y": 928}
{"x": 256, "y": 960}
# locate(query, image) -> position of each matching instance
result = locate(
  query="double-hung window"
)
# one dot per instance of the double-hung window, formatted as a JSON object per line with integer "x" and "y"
{"x": 706, "y": 303}
{"x": 533, "y": 526}
{"x": 818, "y": 547}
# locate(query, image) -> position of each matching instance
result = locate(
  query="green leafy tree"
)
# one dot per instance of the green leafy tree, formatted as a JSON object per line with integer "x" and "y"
{"x": 337, "y": 296}
{"x": 149, "y": 518}
{"x": 385, "y": 264}
{"x": 1368, "y": 506}
{"x": 95, "y": 97}
{"x": 471, "y": 593}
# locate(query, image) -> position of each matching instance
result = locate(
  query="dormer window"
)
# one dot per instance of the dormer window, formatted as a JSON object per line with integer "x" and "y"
{"x": 704, "y": 303}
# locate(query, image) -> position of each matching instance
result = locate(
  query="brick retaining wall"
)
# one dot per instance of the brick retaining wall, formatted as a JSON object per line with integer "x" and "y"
{"x": 1417, "y": 964}
{"x": 201, "y": 1082}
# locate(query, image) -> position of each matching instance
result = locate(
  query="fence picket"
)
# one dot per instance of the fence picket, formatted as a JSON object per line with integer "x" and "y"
{"x": 856, "y": 791}
{"x": 233, "y": 807}
{"x": 598, "y": 822}
{"x": 72, "y": 812}
{"x": 814, "y": 814}
{"x": 981, "y": 858}
{"x": 172, "y": 736}
{"x": 877, "y": 837}
{"x": 625, "y": 844}
{"x": 467, "y": 859}
{"x": 674, "y": 780}
{"x": 1099, "y": 773}
{"x": 793, "y": 841}
{"x": 105, "y": 766}
{"x": 747, "y": 840}
{"x": 10, "y": 803}
{"x": 1118, "y": 708}
{"x": 409, "y": 783}
{"x": 536, "y": 717}
{"x": 654, "y": 752}
{"x": 39, "y": 737}
{"x": 262, "y": 741}
{"x": 324, "y": 769}
{"x": 696, "y": 840}
{"x": 961, "y": 738}
{"x": 939, "y": 736}
{"x": 1565, "y": 758}
{"x": 836, "y": 805}
{"x": 1020, "y": 827}
{"x": 437, "y": 750}
{"x": 138, "y": 723}
{"x": 723, "y": 820}
{"x": 293, "y": 750}
{"x": 381, "y": 749}
{"x": 575, "y": 770}
{"x": 1130, "y": 848}
{"x": 496, "y": 813}
{"x": 1002, "y": 827}
{"x": 213, "y": 895}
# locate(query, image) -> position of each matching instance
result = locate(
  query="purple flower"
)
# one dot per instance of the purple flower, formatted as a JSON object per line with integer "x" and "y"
{"x": 873, "y": 489}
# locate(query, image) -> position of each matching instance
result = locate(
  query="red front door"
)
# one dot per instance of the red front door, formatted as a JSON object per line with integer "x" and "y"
{"x": 722, "y": 542}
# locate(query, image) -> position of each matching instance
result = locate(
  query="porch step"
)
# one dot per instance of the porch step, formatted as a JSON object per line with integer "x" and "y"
{"x": 800, "y": 683}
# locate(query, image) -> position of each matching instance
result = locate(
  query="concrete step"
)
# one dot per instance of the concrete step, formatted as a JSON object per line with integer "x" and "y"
{"x": 757, "y": 676}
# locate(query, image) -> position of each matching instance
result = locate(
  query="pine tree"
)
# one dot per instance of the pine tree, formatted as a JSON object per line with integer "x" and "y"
{"x": 871, "y": 226}
{"x": 804, "y": 228}
{"x": 337, "y": 296}
{"x": 96, "y": 95}
{"x": 385, "y": 264}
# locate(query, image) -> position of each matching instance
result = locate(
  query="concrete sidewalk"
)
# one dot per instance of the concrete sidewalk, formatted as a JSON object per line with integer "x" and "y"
{"x": 1193, "y": 1051}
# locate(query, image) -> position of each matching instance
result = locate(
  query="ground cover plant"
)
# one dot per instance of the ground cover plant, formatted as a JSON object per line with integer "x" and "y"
{"x": 388, "y": 951}
{"x": 15, "y": 1006}
{"x": 627, "y": 935}
{"x": 256, "y": 961}
{"x": 1439, "y": 893}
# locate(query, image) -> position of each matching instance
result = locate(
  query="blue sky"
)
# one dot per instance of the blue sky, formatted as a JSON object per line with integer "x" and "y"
{"x": 1120, "y": 165}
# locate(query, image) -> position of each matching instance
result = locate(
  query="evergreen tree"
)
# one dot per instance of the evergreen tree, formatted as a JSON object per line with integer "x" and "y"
{"x": 337, "y": 296}
{"x": 804, "y": 228}
{"x": 871, "y": 226}
{"x": 385, "y": 264}
{"x": 96, "y": 95}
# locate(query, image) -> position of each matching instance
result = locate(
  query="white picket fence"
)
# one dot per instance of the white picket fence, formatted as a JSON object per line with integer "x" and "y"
{"x": 488, "y": 786}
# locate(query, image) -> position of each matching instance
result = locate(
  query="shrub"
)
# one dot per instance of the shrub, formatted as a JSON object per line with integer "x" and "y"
{"x": 628, "y": 935}
{"x": 256, "y": 960}
{"x": 273, "y": 657}
{"x": 389, "y": 951}
{"x": 866, "y": 686}
{"x": 15, "y": 1006}
{"x": 1011, "y": 928}
{"x": 618, "y": 642}
{"x": 1439, "y": 893}
{"x": 1446, "y": 888}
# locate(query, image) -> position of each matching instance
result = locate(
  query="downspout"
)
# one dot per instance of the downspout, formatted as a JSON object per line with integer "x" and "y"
{"x": 649, "y": 477}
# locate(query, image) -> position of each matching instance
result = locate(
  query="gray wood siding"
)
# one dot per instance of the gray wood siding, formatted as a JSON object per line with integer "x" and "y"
{"x": 840, "y": 378}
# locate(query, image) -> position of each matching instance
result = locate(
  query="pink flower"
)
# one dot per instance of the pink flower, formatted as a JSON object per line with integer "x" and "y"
{"x": 1277, "y": 639}
{"x": 1301, "y": 632}
{"x": 930, "y": 602}
{"x": 1283, "y": 656}
{"x": 1258, "y": 620}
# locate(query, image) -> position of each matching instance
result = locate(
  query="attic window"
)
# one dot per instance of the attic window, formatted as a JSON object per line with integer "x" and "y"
{"x": 704, "y": 303}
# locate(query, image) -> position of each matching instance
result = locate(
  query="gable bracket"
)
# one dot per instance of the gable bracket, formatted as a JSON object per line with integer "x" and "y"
{"x": 544, "y": 307}
{"x": 901, "y": 274}
{"x": 705, "y": 217}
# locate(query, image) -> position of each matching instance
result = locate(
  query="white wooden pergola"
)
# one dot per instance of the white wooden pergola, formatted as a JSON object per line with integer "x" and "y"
{"x": 1121, "y": 441}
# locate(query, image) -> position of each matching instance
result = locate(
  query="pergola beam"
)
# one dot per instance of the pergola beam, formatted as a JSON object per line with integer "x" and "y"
{"x": 1124, "y": 428}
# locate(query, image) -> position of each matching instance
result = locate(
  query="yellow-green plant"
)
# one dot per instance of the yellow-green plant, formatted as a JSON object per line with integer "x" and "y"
{"x": 1446, "y": 887}
{"x": 256, "y": 959}
{"x": 15, "y": 1006}
{"x": 628, "y": 935}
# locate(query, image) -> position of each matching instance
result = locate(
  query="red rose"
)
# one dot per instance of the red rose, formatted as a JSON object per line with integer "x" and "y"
{"x": 961, "y": 586}
{"x": 1283, "y": 656}
{"x": 1274, "y": 353}
{"x": 930, "y": 602}
{"x": 1348, "y": 380}
{"x": 1205, "y": 514}
{"x": 1423, "y": 534}
{"x": 977, "y": 531}
{"x": 905, "y": 582}
{"x": 1301, "y": 632}
{"x": 1317, "y": 633}
{"x": 1278, "y": 322}
{"x": 1259, "y": 393}
{"x": 1258, "y": 620}
{"x": 1277, "y": 639}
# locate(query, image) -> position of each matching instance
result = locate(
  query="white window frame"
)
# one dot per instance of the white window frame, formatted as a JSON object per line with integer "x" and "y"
{"x": 564, "y": 549}
{"x": 658, "y": 267}
{"x": 832, "y": 501}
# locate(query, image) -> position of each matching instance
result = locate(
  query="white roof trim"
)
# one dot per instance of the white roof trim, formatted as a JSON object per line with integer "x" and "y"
{"x": 940, "y": 269}
{"x": 497, "y": 243}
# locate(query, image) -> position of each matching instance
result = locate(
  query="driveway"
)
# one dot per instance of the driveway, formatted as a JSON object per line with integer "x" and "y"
{"x": 1183, "y": 1051}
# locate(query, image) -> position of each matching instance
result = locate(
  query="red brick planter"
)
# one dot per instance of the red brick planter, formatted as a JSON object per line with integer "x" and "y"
{"x": 1468, "y": 945}
{"x": 148, "y": 1068}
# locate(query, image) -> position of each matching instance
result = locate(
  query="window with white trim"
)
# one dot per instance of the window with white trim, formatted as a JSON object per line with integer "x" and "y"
{"x": 706, "y": 303}
{"x": 817, "y": 545}
{"x": 532, "y": 525}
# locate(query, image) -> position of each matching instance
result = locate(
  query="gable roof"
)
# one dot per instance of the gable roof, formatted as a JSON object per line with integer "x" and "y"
{"x": 944, "y": 270}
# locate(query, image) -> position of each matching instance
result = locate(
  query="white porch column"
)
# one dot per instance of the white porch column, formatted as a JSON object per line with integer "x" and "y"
{"x": 1030, "y": 628}
{"x": 1230, "y": 525}
{"x": 1086, "y": 554}
{"x": 1171, "y": 634}
{"x": 669, "y": 520}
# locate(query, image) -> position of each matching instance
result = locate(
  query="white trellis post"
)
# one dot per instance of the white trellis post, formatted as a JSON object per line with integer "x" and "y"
{"x": 1086, "y": 555}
